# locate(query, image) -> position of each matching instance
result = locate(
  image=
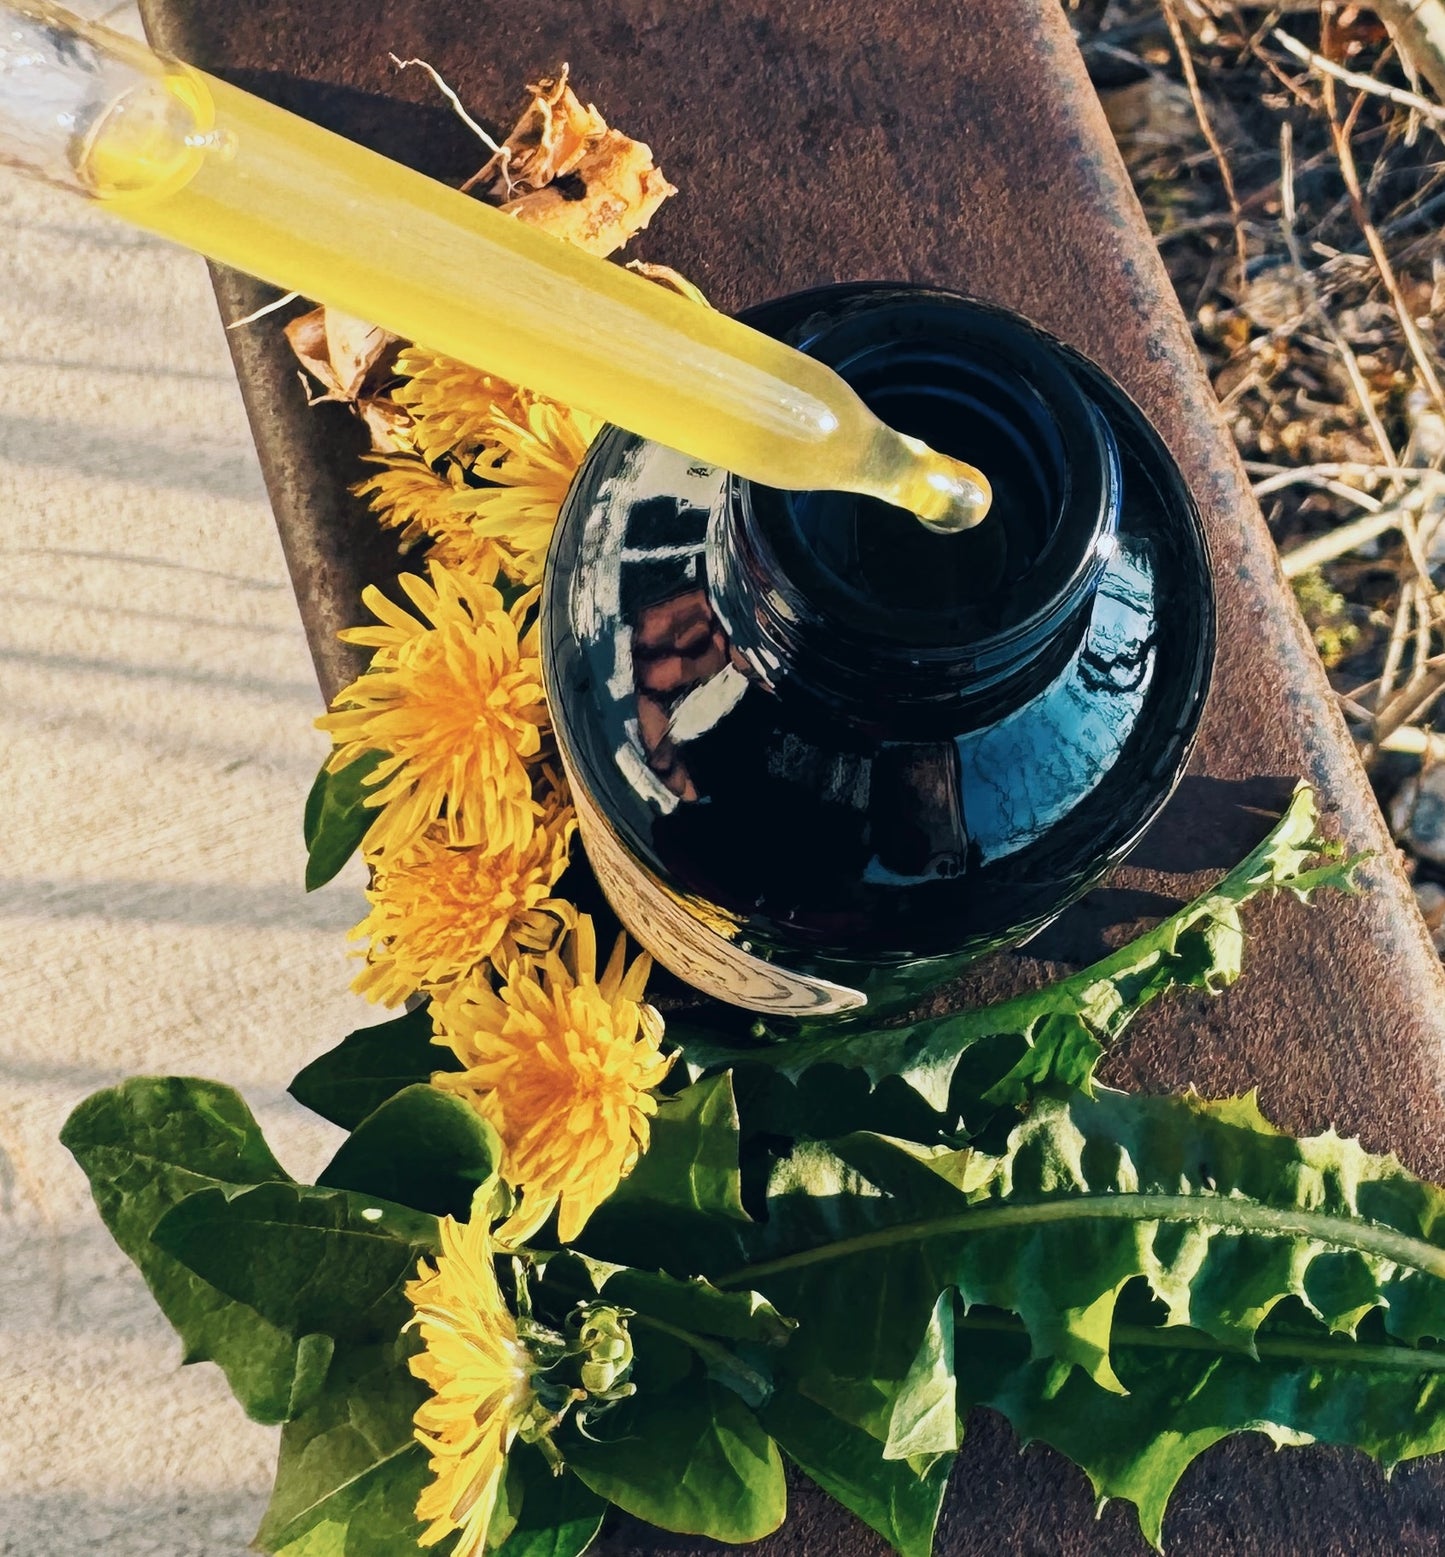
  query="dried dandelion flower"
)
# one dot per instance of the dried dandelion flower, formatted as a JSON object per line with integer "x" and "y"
{"x": 533, "y": 458}
{"x": 455, "y": 702}
{"x": 389, "y": 425}
{"x": 612, "y": 193}
{"x": 449, "y": 403}
{"x": 440, "y": 914}
{"x": 563, "y": 169}
{"x": 547, "y": 142}
{"x": 480, "y": 1375}
{"x": 352, "y": 361}
{"x": 344, "y": 354}
{"x": 562, "y": 1063}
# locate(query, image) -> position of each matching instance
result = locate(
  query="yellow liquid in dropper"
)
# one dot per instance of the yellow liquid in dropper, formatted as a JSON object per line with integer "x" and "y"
{"x": 266, "y": 192}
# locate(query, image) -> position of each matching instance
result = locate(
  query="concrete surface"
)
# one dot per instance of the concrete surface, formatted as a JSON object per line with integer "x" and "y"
{"x": 156, "y": 700}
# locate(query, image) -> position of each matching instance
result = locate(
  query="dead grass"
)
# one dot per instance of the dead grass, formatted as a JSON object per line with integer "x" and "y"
{"x": 1292, "y": 167}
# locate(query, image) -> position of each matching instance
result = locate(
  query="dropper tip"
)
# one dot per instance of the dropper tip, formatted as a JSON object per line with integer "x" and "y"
{"x": 959, "y": 497}
{"x": 944, "y": 494}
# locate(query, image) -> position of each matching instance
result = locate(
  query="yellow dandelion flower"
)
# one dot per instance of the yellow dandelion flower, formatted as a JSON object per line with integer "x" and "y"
{"x": 532, "y": 458}
{"x": 480, "y": 1375}
{"x": 449, "y": 403}
{"x": 408, "y": 495}
{"x": 455, "y": 702}
{"x": 439, "y": 914}
{"x": 562, "y": 1063}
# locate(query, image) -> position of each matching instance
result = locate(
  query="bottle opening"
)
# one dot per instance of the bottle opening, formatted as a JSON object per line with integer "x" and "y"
{"x": 877, "y": 564}
{"x": 843, "y": 586}
{"x": 981, "y": 386}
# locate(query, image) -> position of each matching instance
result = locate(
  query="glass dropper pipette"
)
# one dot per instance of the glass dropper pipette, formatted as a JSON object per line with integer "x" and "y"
{"x": 188, "y": 157}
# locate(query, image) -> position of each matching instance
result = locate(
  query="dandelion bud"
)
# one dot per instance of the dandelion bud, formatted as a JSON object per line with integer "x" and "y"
{"x": 605, "y": 1346}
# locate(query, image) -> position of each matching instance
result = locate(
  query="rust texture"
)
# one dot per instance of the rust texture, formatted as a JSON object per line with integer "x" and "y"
{"x": 961, "y": 145}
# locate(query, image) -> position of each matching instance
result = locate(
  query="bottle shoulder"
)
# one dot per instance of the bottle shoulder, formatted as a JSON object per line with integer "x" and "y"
{"x": 736, "y": 787}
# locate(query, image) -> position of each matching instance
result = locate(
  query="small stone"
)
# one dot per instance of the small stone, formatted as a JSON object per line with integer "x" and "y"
{"x": 1417, "y": 815}
{"x": 1427, "y": 428}
{"x": 1274, "y": 298}
{"x": 1431, "y": 898}
{"x": 1150, "y": 116}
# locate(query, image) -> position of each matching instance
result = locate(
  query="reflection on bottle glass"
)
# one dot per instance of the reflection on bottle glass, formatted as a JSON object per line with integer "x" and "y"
{"x": 852, "y": 753}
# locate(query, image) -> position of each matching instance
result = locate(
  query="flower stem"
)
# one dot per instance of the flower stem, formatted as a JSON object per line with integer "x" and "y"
{"x": 1294, "y": 1348}
{"x": 1227, "y": 1215}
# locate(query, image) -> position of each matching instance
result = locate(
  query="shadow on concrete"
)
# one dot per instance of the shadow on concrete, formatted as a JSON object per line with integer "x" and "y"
{"x": 112, "y": 456}
{"x": 195, "y": 904}
{"x": 218, "y": 681}
{"x": 166, "y": 564}
{"x": 135, "y": 614}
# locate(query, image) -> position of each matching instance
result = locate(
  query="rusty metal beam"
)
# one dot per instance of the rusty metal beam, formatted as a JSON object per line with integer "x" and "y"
{"x": 840, "y": 139}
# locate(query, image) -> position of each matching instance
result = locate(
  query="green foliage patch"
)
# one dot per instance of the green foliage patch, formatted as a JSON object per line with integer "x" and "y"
{"x": 1129, "y": 1279}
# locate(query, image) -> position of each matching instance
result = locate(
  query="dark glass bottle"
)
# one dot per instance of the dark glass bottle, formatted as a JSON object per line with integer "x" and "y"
{"x": 824, "y": 758}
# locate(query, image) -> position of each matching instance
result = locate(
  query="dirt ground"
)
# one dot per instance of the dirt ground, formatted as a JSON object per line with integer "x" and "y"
{"x": 1299, "y": 215}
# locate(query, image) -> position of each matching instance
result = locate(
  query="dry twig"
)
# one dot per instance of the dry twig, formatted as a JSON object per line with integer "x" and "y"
{"x": 1418, "y": 28}
{"x": 1278, "y": 476}
{"x": 1306, "y": 277}
{"x": 264, "y": 310}
{"x": 1395, "y": 649}
{"x": 458, "y": 107}
{"x": 1419, "y": 352}
{"x": 1415, "y": 742}
{"x": 1226, "y": 174}
{"x": 1312, "y": 476}
{"x": 1344, "y": 538}
{"x": 1413, "y": 701}
{"x": 1434, "y": 112}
